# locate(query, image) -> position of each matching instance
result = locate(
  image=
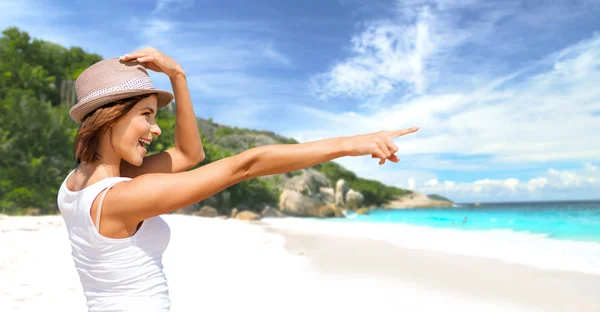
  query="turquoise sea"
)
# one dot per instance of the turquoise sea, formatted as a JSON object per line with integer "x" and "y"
{"x": 578, "y": 221}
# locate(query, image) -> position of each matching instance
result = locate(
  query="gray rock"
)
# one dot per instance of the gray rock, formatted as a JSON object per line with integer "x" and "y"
{"x": 341, "y": 187}
{"x": 328, "y": 194}
{"x": 247, "y": 215}
{"x": 354, "y": 199}
{"x": 272, "y": 212}
{"x": 294, "y": 203}
{"x": 206, "y": 211}
{"x": 309, "y": 183}
{"x": 330, "y": 211}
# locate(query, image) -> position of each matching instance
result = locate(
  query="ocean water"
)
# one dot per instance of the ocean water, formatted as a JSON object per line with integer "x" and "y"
{"x": 576, "y": 221}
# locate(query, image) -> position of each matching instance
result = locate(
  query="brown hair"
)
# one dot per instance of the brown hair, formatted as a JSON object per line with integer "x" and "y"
{"x": 95, "y": 124}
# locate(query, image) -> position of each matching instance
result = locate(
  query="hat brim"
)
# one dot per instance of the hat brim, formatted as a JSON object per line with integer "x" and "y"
{"x": 83, "y": 108}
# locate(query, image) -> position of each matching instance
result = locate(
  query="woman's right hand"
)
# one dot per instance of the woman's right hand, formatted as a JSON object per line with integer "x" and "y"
{"x": 378, "y": 144}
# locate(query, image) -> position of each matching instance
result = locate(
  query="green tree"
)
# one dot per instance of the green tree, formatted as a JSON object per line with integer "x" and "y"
{"x": 36, "y": 150}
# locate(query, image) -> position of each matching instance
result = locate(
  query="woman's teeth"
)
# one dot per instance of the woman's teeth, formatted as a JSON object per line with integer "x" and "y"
{"x": 144, "y": 142}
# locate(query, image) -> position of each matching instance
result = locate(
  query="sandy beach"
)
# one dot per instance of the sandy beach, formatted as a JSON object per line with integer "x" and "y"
{"x": 298, "y": 265}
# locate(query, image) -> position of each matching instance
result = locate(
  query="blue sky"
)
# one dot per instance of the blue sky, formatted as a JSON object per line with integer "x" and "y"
{"x": 505, "y": 92}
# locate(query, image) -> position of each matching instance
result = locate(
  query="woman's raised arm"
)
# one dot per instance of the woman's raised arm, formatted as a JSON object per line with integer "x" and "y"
{"x": 155, "y": 194}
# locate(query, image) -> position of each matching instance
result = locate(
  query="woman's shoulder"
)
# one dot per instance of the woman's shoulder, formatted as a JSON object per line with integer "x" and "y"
{"x": 78, "y": 182}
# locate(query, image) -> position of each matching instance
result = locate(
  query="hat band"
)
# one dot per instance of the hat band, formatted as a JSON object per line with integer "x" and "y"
{"x": 136, "y": 83}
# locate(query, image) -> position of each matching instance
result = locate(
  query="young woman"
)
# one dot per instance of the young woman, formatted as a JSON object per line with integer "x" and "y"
{"x": 112, "y": 201}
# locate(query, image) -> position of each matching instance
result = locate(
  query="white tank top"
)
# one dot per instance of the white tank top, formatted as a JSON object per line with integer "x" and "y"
{"x": 117, "y": 274}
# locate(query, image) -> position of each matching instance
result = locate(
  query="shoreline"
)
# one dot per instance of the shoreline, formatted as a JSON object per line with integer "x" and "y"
{"x": 535, "y": 250}
{"x": 487, "y": 280}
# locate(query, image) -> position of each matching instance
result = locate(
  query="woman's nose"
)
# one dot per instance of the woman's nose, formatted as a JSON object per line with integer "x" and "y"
{"x": 155, "y": 130}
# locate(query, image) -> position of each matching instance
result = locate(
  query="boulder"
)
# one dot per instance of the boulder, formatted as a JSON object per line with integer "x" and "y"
{"x": 308, "y": 183}
{"x": 206, "y": 211}
{"x": 330, "y": 211}
{"x": 328, "y": 194}
{"x": 234, "y": 212}
{"x": 272, "y": 212}
{"x": 341, "y": 187}
{"x": 294, "y": 203}
{"x": 362, "y": 211}
{"x": 247, "y": 215}
{"x": 354, "y": 199}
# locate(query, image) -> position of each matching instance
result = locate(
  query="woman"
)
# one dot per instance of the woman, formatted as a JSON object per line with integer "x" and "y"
{"x": 112, "y": 201}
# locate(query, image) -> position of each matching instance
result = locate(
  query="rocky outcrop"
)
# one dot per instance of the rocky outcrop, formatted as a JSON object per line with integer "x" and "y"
{"x": 308, "y": 183}
{"x": 341, "y": 187}
{"x": 247, "y": 215}
{"x": 416, "y": 200}
{"x": 362, "y": 211}
{"x": 354, "y": 199}
{"x": 297, "y": 204}
{"x": 328, "y": 194}
{"x": 311, "y": 195}
{"x": 307, "y": 193}
{"x": 206, "y": 211}
{"x": 271, "y": 212}
{"x": 330, "y": 211}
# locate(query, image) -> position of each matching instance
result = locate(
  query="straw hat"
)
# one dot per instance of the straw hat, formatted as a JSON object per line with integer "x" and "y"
{"x": 111, "y": 80}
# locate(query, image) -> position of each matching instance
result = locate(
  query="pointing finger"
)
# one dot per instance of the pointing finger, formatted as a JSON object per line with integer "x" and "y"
{"x": 397, "y": 133}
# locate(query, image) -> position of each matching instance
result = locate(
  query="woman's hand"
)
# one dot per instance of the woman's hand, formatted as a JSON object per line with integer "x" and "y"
{"x": 155, "y": 60}
{"x": 378, "y": 144}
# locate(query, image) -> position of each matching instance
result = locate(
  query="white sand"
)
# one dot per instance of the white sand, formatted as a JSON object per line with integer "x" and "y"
{"x": 226, "y": 265}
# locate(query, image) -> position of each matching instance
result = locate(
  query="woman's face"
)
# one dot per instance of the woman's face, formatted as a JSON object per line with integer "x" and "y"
{"x": 138, "y": 124}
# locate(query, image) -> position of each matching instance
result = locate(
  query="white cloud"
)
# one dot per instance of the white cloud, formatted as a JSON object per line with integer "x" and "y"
{"x": 537, "y": 183}
{"x": 404, "y": 52}
{"x": 553, "y": 185}
{"x": 510, "y": 184}
{"x": 544, "y": 113}
{"x": 432, "y": 182}
{"x": 565, "y": 178}
{"x": 411, "y": 183}
{"x": 386, "y": 55}
{"x": 591, "y": 167}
